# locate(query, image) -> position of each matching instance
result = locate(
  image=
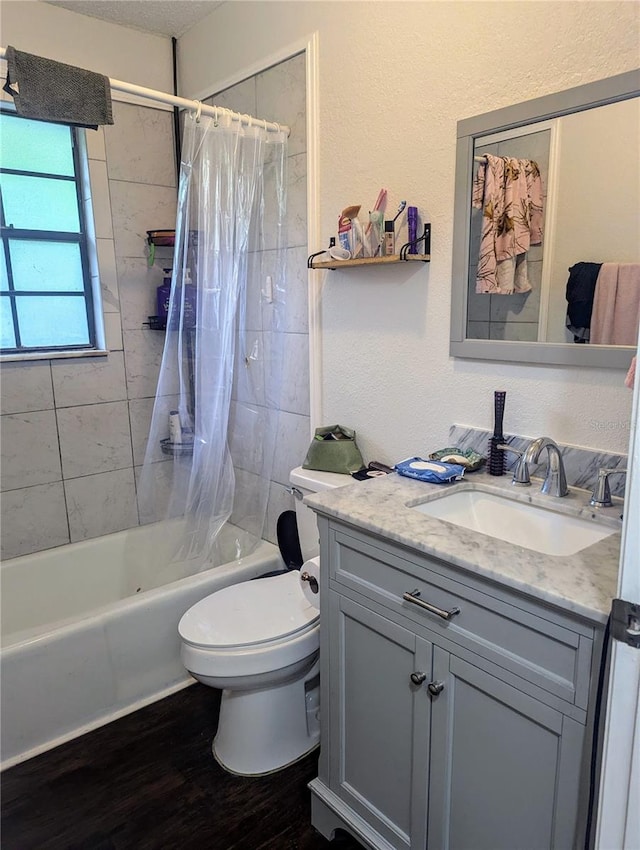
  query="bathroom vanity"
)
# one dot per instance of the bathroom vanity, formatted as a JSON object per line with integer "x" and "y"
{"x": 458, "y": 672}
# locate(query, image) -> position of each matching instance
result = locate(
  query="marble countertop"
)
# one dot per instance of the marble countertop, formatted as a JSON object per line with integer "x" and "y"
{"x": 583, "y": 583}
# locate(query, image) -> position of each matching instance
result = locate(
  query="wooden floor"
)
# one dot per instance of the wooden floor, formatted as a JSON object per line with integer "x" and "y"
{"x": 149, "y": 782}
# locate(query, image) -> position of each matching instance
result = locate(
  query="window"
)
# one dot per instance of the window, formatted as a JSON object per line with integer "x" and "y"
{"x": 46, "y": 301}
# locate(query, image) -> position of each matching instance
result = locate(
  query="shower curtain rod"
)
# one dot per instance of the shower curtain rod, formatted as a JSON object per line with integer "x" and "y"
{"x": 193, "y": 105}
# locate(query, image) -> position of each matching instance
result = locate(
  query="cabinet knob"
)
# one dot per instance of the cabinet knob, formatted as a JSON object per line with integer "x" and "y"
{"x": 435, "y": 688}
{"x": 418, "y": 678}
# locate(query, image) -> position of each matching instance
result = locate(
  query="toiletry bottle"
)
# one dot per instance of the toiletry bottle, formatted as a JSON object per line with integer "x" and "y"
{"x": 412, "y": 224}
{"x": 190, "y": 293}
{"x": 389, "y": 239}
{"x": 163, "y": 295}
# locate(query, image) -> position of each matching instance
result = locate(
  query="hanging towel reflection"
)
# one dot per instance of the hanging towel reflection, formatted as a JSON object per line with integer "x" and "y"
{"x": 616, "y": 305}
{"x": 509, "y": 193}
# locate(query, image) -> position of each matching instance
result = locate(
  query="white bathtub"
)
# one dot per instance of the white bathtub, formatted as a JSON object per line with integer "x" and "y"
{"x": 86, "y": 640}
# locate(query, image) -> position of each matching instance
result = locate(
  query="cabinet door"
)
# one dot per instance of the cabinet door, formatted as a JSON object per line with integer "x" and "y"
{"x": 504, "y": 771}
{"x": 379, "y": 721}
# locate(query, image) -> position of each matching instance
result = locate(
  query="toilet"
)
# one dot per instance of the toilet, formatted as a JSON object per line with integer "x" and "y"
{"x": 258, "y": 641}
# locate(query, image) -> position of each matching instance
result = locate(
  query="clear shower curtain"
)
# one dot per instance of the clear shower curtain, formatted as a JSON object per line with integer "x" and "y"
{"x": 220, "y": 374}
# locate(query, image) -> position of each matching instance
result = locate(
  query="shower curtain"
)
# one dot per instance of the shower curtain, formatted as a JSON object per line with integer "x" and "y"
{"x": 220, "y": 375}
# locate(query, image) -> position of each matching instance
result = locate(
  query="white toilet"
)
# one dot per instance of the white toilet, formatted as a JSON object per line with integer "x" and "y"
{"x": 259, "y": 642}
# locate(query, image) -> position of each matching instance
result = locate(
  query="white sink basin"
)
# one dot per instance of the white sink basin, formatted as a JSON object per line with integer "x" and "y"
{"x": 516, "y": 522}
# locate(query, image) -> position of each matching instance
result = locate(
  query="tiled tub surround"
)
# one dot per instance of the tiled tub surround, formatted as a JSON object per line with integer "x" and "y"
{"x": 278, "y": 94}
{"x": 81, "y": 646}
{"x": 583, "y": 583}
{"x": 74, "y": 431}
{"x": 581, "y": 464}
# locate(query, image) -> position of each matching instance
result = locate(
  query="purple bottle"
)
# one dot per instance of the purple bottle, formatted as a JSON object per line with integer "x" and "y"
{"x": 163, "y": 295}
{"x": 412, "y": 223}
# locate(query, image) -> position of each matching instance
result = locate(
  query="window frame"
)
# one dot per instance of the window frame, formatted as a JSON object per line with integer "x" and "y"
{"x": 80, "y": 179}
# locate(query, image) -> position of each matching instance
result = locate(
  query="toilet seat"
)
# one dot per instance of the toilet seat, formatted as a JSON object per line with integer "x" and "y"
{"x": 250, "y": 615}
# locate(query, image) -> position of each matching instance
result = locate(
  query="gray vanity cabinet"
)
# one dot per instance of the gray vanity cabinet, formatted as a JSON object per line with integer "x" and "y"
{"x": 504, "y": 766}
{"x": 464, "y": 733}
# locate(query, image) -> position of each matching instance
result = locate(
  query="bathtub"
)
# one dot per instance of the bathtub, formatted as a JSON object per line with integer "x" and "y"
{"x": 88, "y": 637}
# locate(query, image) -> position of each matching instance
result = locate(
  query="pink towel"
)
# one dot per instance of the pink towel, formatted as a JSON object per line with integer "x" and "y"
{"x": 616, "y": 305}
{"x": 509, "y": 193}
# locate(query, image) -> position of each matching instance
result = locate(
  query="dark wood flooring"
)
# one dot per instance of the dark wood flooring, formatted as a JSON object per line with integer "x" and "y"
{"x": 149, "y": 781}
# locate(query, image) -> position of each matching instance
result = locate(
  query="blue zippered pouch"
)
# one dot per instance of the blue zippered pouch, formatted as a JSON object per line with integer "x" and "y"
{"x": 432, "y": 471}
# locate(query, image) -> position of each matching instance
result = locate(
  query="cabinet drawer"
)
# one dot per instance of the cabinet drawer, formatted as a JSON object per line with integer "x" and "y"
{"x": 523, "y": 638}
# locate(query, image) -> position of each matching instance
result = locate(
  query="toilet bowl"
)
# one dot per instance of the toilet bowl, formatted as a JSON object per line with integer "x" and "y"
{"x": 259, "y": 642}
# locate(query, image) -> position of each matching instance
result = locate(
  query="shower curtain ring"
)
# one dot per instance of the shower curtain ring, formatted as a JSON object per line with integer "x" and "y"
{"x": 198, "y": 111}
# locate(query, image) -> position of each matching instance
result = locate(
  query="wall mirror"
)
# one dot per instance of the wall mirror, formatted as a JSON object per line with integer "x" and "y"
{"x": 584, "y": 144}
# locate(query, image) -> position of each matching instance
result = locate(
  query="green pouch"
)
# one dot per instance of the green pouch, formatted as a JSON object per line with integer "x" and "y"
{"x": 334, "y": 449}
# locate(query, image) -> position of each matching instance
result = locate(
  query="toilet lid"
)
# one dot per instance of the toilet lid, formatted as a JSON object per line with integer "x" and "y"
{"x": 249, "y": 613}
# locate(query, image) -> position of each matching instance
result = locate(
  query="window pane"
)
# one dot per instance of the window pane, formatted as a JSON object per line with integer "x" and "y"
{"x": 36, "y": 203}
{"x": 49, "y": 321}
{"x": 48, "y": 266}
{"x": 4, "y": 284}
{"x": 35, "y": 146}
{"x": 7, "y": 337}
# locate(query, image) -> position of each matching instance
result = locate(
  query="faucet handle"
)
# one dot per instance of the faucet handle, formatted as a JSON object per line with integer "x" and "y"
{"x": 601, "y": 496}
{"x": 521, "y": 468}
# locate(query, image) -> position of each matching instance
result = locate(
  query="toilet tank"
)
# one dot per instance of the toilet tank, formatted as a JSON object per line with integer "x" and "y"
{"x": 306, "y": 481}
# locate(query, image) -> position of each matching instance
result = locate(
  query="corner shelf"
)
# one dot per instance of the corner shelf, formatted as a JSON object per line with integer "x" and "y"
{"x": 369, "y": 261}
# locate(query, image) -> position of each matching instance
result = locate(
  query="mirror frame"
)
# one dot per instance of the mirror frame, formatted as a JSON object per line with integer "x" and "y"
{"x": 600, "y": 93}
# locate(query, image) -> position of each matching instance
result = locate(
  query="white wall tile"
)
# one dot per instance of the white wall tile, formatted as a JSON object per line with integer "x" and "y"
{"x": 239, "y": 98}
{"x": 89, "y": 380}
{"x": 287, "y": 371}
{"x": 154, "y": 482}
{"x": 108, "y": 275}
{"x": 290, "y": 309}
{"x": 279, "y": 501}
{"x": 140, "y": 414}
{"x": 94, "y": 438}
{"x": 25, "y": 386}
{"x": 249, "y": 375}
{"x": 101, "y": 504}
{"x": 29, "y": 449}
{"x": 34, "y": 518}
{"x": 139, "y": 145}
{"x": 138, "y": 207}
{"x": 297, "y": 201}
{"x": 137, "y": 284}
{"x": 143, "y": 355}
{"x": 252, "y": 434}
{"x": 292, "y": 442}
{"x": 95, "y": 144}
{"x": 100, "y": 199}
{"x": 281, "y": 97}
{"x": 113, "y": 332}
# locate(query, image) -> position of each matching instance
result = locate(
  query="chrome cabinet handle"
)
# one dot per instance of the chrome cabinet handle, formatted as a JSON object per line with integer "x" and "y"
{"x": 418, "y": 677}
{"x": 413, "y": 597}
{"x": 435, "y": 688}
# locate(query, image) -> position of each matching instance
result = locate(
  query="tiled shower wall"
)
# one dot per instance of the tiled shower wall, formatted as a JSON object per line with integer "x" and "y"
{"x": 74, "y": 430}
{"x": 278, "y": 94}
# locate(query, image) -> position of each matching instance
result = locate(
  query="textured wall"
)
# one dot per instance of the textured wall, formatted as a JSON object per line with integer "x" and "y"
{"x": 394, "y": 78}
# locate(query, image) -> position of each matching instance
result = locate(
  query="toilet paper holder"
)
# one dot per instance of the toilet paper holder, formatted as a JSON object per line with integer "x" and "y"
{"x": 313, "y": 581}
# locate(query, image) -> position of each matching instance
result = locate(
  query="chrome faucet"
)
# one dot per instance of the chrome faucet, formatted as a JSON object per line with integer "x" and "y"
{"x": 601, "y": 496}
{"x": 555, "y": 482}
